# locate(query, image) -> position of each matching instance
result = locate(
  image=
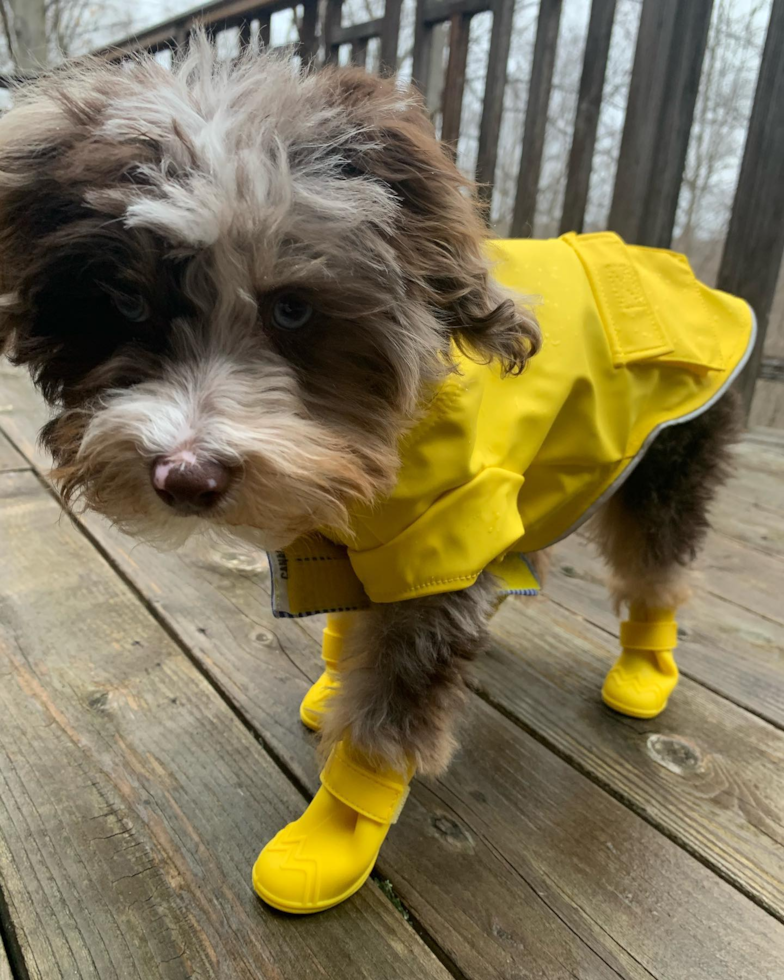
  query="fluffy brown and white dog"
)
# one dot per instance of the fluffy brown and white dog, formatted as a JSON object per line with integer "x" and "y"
{"x": 233, "y": 284}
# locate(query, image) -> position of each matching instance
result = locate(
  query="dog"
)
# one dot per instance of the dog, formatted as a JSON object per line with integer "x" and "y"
{"x": 235, "y": 285}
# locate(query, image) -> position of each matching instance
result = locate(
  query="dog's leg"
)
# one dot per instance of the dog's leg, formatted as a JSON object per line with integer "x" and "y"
{"x": 401, "y": 684}
{"x": 649, "y": 534}
{"x": 403, "y": 677}
{"x": 317, "y": 701}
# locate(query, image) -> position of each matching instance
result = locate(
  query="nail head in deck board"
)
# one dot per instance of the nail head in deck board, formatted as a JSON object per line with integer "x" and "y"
{"x": 133, "y": 800}
{"x": 662, "y": 95}
{"x": 536, "y": 117}
{"x": 492, "y": 106}
{"x": 240, "y": 631}
{"x": 713, "y": 631}
{"x": 754, "y": 245}
{"x": 589, "y": 104}
{"x": 730, "y": 811}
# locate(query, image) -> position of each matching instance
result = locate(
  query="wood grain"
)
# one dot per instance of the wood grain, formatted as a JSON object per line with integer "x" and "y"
{"x": 771, "y": 438}
{"x": 758, "y": 524}
{"x": 457, "y": 857}
{"x": 451, "y": 897}
{"x": 132, "y": 800}
{"x": 767, "y": 407}
{"x": 727, "y": 648}
{"x": 10, "y": 459}
{"x": 706, "y": 771}
{"x": 5, "y": 966}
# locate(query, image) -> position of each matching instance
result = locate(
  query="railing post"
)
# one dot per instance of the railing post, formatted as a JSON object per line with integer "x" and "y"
{"x": 389, "y": 37}
{"x": 589, "y": 104}
{"x": 308, "y": 40}
{"x": 265, "y": 25}
{"x": 495, "y": 85}
{"x": 663, "y": 92}
{"x": 536, "y": 116}
{"x": 332, "y": 16}
{"x": 754, "y": 246}
{"x": 423, "y": 45}
{"x": 459, "y": 29}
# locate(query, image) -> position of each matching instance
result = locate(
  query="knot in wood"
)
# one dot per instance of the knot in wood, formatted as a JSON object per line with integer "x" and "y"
{"x": 679, "y": 755}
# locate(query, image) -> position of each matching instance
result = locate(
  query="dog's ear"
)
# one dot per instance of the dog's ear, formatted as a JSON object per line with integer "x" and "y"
{"x": 52, "y": 156}
{"x": 29, "y": 135}
{"x": 441, "y": 235}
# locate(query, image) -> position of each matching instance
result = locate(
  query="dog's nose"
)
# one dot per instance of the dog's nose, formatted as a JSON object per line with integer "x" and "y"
{"x": 188, "y": 484}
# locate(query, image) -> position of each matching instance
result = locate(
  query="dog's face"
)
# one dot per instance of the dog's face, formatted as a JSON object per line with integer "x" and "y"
{"x": 232, "y": 283}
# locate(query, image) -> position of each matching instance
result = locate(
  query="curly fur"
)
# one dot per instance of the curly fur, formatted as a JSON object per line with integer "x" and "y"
{"x": 651, "y": 530}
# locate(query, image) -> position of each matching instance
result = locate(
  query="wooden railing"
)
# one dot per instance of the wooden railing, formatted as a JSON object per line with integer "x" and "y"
{"x": 665, "y": 78}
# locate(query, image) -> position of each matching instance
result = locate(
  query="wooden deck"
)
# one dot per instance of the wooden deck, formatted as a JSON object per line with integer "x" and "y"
{"x": 149, "y": 744}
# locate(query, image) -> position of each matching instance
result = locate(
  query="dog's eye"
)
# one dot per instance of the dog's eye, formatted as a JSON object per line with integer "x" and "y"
{"x": 134, "y": 308}
{"x": 290, "y": 312}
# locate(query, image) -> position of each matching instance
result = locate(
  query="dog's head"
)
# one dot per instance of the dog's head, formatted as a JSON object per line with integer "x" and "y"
{"x": 232, "y": 284}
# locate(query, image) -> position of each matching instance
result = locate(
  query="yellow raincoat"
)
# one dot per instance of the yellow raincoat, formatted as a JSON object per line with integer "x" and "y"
{"x": 500, "y": 466}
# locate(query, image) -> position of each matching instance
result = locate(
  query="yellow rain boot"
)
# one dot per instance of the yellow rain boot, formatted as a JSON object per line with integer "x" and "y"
{"x": 324, "y": 857}
{"x": 645, "y": 674}
{"x": 314, "y": 704}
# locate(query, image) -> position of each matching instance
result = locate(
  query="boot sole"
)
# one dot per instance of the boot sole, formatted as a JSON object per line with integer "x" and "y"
{"x": 623, "y": 709}
{"x": 291, "y": 909}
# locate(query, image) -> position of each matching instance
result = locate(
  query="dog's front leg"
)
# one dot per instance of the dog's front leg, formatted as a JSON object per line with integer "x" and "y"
{"x": 402, "y": 679}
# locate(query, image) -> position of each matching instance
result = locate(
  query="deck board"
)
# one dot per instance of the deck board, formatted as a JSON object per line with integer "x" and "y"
{"x": 706, "y": 771}
{"x": 5, "y": 966}
{"x": 132, "y": 799}
{"x": 519, "y": 864}
{"x": 10, "y": 459}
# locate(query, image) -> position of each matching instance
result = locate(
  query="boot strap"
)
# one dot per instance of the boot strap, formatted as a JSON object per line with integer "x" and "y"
{"x": 377, "y": 795}
{"x": 649, "y": 636}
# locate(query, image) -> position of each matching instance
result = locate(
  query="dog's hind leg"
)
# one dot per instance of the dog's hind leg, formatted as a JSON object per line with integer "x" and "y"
{"x": 649, "y": 534}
